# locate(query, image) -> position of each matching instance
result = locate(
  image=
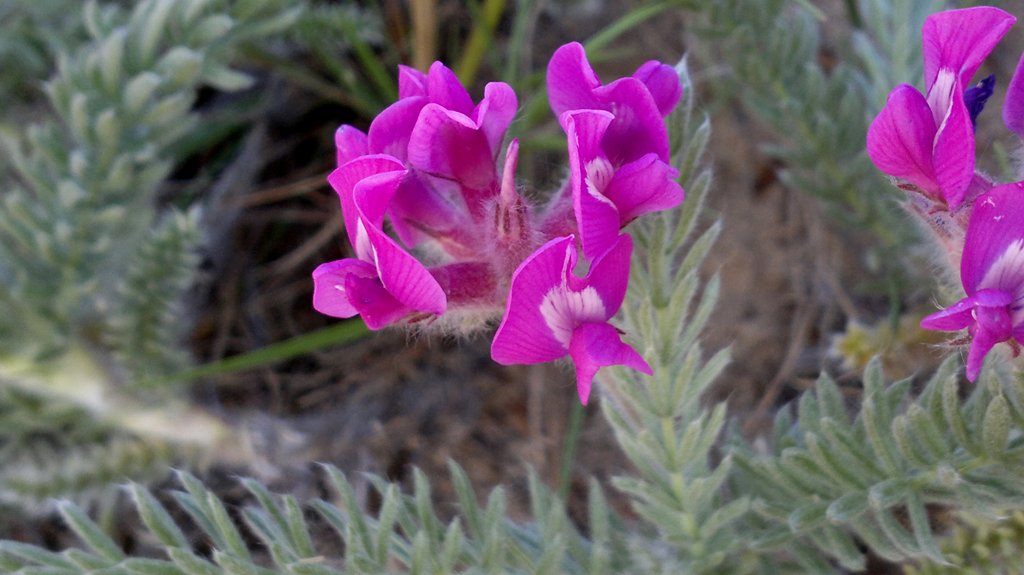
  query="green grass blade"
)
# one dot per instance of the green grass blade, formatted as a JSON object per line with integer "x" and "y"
{"x": 344, "y": 332}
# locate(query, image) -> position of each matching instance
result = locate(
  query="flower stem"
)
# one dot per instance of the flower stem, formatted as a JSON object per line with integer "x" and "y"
{"x": 572, "y": 437}
{"x": 480, "y": 40}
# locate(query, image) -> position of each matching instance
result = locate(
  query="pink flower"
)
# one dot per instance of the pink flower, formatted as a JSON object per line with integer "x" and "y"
{"x": 384, "y": 284}
{"x": 992, "y": 273}
{"x": 639, "y": 102}
{"x": 552, "y": 312}
{"x": 391, "y": 129}
{"x": 607, "y": 196}
{"x": 928, "y": 140}
{"x": 429, "y": 164}
{"x": 451, "y": 146}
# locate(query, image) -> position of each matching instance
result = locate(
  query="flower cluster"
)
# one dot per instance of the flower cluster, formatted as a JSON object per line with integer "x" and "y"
{"x": 469, "y": 246}
{"x": 927, "y": 142}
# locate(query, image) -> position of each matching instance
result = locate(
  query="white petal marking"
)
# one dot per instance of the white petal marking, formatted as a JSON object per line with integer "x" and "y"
{"x": 364, "y": 248}
{"x": 1008, "y": 267}
{"x": 563, "y": 309}
{"x": 599, "y": 172}
{"x": 940, "y": 98}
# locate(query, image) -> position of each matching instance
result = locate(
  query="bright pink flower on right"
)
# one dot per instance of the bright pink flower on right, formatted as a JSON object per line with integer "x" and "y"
{"x": 927, "y": 139}
{"x": 992, "y": 272}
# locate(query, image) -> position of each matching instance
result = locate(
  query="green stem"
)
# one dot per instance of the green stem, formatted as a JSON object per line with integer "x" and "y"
{"x": 630, "y": 20}
{"x": 480, "y": 40}
{"x": 373, "y": 67}
{"x": 522, "y": 14}
{"x": 853, "y": 14}
{"x": 572, "y": 437}
{"x": 300, "y": 345}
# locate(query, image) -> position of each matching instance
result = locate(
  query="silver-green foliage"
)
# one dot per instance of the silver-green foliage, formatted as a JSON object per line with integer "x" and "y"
{"x": 53, "y": 449}
{"x": 92, "y": 267}
{"x": 659, "y": 421}
{"x": 31, "y": 33}
{"x": 831, "y": 480}
{"x": 45, "y": 473}
{"x": 980, "y": 545}
{"x": 330, "y": 31}
{"x": 146, "y": 327}
{"x": 81, "y": 208}
{"x": 816, "y": 100}
{"x": 840, "y": 477}
{"x": 405, "y": 534}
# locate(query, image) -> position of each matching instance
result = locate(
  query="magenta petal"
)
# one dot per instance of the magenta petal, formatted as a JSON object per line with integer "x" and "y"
{"x": 467, "y": 284}
{"x": 644, "y": 186}
{"x": 346, "y": 287}
{"x": 953, "y": 152}
{"x": 993, "y": 325}
{"x": 376, "y": 305}
{"x": 350, "y": 143}
{"x": 1013, "y": 108}
{"x": 596, "y": 345}
{"x": 329, "y": 294}
{"x": 609, "y": 274}
{"x": 495, "y": 112}
{"x": 597, "y": 217}
{"x": 551, "y": 312}
{"x": 400, "y": 273}
{"x": 571, "y": 81}
{"x": 389, "y": 132}
{"x": 961, "y": 39}
{"x": 995, "y": 298}
{"x": 954, "y": 318}
{"x": 405, "y": 277}
{"x": 993, "y": 255}
{"x": 524, "y": 335}
{"x": 366, "y": 187}
{"x": 417, "y": 210}
{"x": 663, "y": 83}
{"x": 589, "y": 128}
{"x": 444, "y": 89}
{"x": 638, "y": 128}
{"x": 900, "y": 138}
{"x": 345, "y": 179}
{"x": 411, "y": 82}
{"x": 981, "y": 344}
{"x": 450, "y": 145}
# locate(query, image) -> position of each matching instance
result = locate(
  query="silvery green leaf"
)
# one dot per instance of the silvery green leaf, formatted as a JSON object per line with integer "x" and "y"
{"x": 995, "y": 428}
{"x": 224, "y": 78}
